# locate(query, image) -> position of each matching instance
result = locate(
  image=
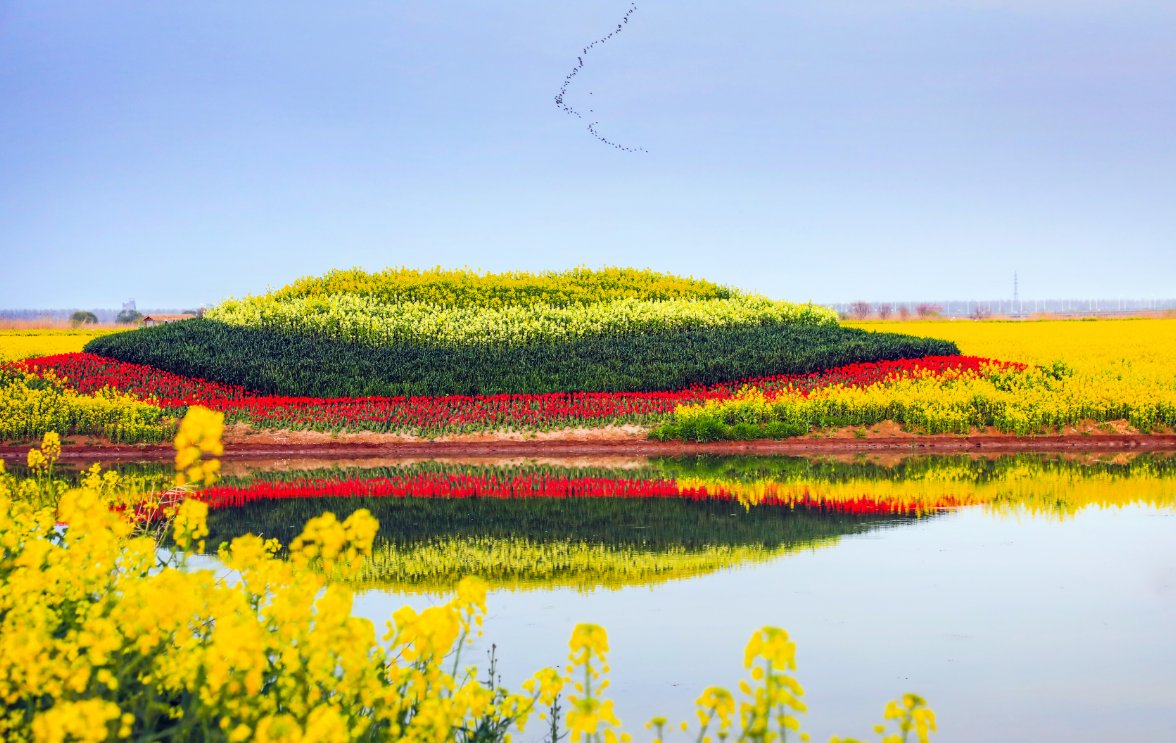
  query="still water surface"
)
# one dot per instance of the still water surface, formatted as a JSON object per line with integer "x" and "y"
{"x": 1028, "y": 597}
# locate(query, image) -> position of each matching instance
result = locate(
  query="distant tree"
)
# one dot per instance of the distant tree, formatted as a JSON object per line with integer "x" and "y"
{"x": 860, "y": 310}
{"x": 126, "y": 317}
{"x": 884, "y": 310}
{"x": 928, "y": 310}
{"x": 81, "y": 317}
{"x": 904, "y": 312}
{"x": 979, "y": 312}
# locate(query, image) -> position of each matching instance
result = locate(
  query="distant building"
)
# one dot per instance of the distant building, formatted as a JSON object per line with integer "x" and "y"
{"x": 150, "y": 320}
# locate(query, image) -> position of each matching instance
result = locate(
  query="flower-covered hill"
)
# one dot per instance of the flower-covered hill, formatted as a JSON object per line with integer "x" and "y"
{"x": 411, "y": 333}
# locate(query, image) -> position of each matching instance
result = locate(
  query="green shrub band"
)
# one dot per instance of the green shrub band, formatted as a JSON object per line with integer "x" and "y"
{"x": 295, "y": 364}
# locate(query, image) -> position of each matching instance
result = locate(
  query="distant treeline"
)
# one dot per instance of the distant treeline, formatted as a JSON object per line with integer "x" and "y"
{"x": 103, "y": 315}
{"x": 979, "y": 308}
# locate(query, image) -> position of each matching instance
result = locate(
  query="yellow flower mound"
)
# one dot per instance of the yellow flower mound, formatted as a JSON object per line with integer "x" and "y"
{"x": 452, "y": 287}
{"x": 361, "y": 319}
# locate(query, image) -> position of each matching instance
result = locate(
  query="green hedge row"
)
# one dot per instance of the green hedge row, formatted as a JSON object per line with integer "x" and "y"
{"x": 293, "y": 364}
{"x": 647, "y": 523}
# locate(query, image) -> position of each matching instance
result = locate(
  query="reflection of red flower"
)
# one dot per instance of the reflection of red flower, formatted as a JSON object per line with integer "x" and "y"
{"x": 439, "y": 485}
{"x": 89, "y": 373}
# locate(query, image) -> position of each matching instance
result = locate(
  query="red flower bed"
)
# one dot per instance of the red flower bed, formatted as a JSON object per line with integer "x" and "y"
{"x": 438, "y": 485}
{"x": 88, "y": 373}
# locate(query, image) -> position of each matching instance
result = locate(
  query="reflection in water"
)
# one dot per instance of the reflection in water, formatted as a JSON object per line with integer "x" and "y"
{"x": 543, "y": 525}
{"x": 1034, "y": 484}
{"x": 429, "y": 543}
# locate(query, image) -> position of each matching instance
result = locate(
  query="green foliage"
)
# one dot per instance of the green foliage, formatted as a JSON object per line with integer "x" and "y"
{"x": 81, "y": 317}
{"x": 127, "y": 317}
{"x": 294, "y": 364}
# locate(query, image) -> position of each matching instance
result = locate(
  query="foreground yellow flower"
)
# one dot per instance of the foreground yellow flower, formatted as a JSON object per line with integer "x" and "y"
{"x": 199, "y": 436}
{"x": 716, "y": 702}
{"x": 190, "y": 526}
{"x": 98, "y": 641}
{"x": 588, "y": 641}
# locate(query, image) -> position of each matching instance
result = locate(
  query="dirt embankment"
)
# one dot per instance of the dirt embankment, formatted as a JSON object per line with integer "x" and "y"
{"x": 626, "y": 441}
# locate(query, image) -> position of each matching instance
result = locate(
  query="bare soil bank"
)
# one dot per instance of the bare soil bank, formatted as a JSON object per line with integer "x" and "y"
{"x": 630, "y": 441}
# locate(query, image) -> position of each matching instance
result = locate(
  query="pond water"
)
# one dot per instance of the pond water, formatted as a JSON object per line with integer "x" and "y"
{"x": 1027, "y": 597}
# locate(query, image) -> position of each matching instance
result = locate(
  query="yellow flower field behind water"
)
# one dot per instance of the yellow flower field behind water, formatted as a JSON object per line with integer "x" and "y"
{"x": 20, "y": 344}
{"x": 1128, "y": 359}
{"x": 1114, "y": 370}
{"x": 1142, "y": 345}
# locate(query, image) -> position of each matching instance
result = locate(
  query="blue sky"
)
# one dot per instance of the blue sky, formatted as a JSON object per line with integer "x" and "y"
{"x": 179, "y": 153}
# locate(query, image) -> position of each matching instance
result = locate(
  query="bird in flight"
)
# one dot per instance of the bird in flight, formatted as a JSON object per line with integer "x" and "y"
{"x": 561, "y": 96}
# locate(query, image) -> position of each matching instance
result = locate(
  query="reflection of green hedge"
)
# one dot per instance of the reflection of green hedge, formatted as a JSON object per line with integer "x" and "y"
{"x": 654, "y": 522}
{"x": 646, "y": 523}
{"x": 295, "y": 364}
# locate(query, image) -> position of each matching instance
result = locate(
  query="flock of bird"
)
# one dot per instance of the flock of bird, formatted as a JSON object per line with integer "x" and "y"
{"x": 560, "y": 99}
